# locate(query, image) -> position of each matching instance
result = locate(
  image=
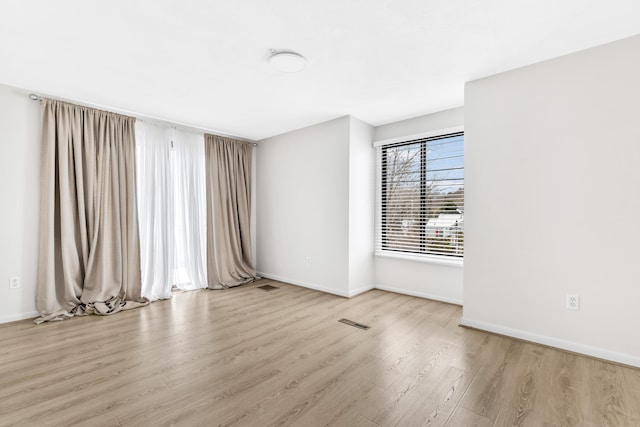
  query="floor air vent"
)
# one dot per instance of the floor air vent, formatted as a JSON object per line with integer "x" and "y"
{"x": 354, "y": 324}
{"x": 268, "y": 287}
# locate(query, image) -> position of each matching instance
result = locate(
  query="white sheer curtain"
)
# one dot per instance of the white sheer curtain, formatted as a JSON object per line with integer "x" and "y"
{"x": 172, "y": 209}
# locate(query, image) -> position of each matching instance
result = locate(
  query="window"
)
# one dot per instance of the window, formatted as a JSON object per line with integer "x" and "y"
{"x": 421, "y": 197}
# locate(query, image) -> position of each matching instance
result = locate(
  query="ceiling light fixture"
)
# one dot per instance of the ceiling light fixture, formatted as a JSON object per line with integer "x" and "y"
{"x": 287, "y": 62}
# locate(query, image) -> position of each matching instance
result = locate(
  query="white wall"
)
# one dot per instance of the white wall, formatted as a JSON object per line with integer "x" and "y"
{"x": 361, "y": 207}
{"x": 302, "y": 205}
{"x": 552, "y": 199}
{"x": 416, "y": 126}
{"x": 417, "y": 277}
{"x": 19, "y": 191}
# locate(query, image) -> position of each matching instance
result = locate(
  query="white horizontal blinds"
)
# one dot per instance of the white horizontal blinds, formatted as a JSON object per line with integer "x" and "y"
{"x": 421, "y": 196}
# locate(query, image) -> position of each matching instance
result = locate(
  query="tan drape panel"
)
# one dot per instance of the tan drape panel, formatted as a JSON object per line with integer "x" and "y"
{"x": 89, "y": 244}
{"x": 228, "y": 173}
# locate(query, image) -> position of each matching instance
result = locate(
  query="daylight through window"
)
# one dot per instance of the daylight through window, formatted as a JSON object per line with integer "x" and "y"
{"x": 421, "y": 197}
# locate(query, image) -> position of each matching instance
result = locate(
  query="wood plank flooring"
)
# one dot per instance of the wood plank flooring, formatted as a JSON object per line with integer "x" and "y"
{"x": 246, "y": 357}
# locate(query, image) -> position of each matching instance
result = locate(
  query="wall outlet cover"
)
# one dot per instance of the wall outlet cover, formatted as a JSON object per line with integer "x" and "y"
{"x": 573, "y": 302}
{"x": 14, "y": 282}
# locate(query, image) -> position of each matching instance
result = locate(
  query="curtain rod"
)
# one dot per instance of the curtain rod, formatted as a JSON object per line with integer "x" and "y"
{"x": 36, "y": 97}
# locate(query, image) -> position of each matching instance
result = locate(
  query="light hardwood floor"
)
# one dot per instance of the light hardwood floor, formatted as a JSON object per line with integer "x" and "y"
{"x": 246, "y": 357}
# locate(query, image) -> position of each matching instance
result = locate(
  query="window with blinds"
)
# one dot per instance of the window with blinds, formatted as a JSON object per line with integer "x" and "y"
{"x": 421, "y": 197}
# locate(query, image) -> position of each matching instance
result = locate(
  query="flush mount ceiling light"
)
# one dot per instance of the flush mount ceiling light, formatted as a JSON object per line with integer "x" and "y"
{"x": 287, "y": 62}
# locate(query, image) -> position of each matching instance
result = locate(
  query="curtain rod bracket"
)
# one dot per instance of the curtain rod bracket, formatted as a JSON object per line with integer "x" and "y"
{"x": 35, "y": 97}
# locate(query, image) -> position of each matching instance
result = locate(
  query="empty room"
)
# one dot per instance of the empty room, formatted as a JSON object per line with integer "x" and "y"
{"x": 339, "y": 213}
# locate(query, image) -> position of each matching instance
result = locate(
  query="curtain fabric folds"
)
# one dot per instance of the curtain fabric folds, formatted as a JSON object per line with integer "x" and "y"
{"x": 228, "y": 186}
{"x": 89, "y": 258}
{"x": 171, "y": 209}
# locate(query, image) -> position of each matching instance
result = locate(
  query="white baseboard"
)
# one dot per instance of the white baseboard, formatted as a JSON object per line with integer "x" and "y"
{"x": 350, "y": 294}
{"x": 574, "y": 347}
{"x": 18, "y": 316}
{"x": 360, "y": 290}
{"x": 303, "y": 284}
{"x": 419, "y": 294}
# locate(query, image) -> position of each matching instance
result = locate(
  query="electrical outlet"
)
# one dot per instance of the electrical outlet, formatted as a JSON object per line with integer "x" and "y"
{"x": 14, "y": 282}
{"x": 573, "y": 302}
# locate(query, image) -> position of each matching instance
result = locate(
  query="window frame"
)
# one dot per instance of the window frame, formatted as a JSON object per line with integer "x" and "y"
{"x": 450, "y": 260}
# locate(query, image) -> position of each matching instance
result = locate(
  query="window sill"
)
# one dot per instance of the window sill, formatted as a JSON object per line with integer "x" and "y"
{"x": 429, "y": 259}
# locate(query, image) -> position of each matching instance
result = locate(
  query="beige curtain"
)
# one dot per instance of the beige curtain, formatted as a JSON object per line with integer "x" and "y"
{"x": 89, "y": 245}
{"x": 228, "y": 174}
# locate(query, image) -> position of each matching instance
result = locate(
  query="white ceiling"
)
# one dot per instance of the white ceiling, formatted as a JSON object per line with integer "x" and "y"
{"x": 205, "y": 62}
